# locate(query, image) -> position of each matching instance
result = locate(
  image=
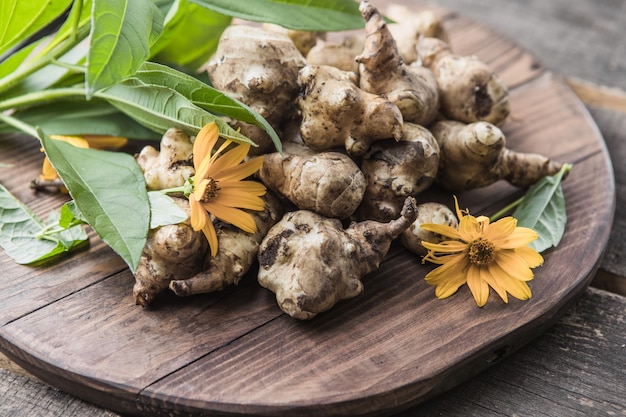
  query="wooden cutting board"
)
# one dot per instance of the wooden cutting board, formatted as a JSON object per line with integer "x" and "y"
{"x": 74, "y": 324}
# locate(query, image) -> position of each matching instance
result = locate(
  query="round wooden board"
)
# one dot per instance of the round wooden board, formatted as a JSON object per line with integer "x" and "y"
{"x": 74, "y": 324}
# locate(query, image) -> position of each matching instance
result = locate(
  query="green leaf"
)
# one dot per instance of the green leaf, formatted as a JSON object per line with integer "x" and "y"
{"x": 204, "y": 96}
{"x": 70, "y": 215}
{"x": 164, "y": 210}
{"x": 190, "y": 35}
{"x": 109, "y": 190}
{"x": 16, "y": 59}
{"x": 122, "y": 33}
{"x": 316, "y": 15}
{"x": 22, "y": 232}
{"x": 20, "y": 19}
{"x": 93, "y": 117}
{"x": 159, "y": 107}
{"x": 543, "y": 210}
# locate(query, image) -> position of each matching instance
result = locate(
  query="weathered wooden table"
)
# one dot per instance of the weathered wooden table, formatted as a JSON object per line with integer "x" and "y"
{"x": 578, "y": 367}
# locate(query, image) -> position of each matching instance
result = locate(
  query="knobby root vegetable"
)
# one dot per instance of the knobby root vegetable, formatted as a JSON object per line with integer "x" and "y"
{"x": 397, "y": 170}
{"x": 336, "y": 112}
{"x": 171, "y": 252}
{"x": 337, "y": 54}
{"x": 172, "y": 165}
{"x": 474, "y": 155}
{"x": 409, "y": 25}
{"x": 383, "y": 71}
{"x": 237, "y": 254}
{"x": 328, "y": 183}
{"x": 260, "y": 68}
{"x": 469, "y": 90}
{"x": 311, "y": 262}
{"x": 430, "y": 212}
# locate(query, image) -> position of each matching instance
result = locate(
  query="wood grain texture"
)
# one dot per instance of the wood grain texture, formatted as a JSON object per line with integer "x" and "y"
{"x": 75, "y": 325}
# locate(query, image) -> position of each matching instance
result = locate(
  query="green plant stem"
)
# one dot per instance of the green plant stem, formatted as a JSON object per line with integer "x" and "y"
{"x": 506, "y": 209}
{"x": 35, "y": 65}
{"x": 41, "y": 97}
{"x": 18, "y": 124}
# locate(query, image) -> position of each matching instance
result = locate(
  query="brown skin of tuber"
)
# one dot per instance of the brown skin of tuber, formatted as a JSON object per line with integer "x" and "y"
{"x": 474, "y": 156}
{"x": 336, "y": 112}
{"x": 172, "y": 165}
{"x": 171, "y": 252}
{"x": 340, "y": 55}
{"x": 237, "y": 254}
{"x": 430, "y": 212}
{"x": 469, "y": 90}
{"x": 328, "y": 183}
{"x": 382, "y": 71}
{"x": 410, "y": 25}
{"x": 397, "y": 170}
{"x": 259, "y": 68}
{"x": 310, "y": 262}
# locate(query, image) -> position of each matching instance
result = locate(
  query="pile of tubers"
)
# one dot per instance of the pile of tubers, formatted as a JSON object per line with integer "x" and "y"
{"x": 367, "y": 124}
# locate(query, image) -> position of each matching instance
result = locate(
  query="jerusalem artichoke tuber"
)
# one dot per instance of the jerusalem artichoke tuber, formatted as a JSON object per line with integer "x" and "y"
{"x": 336, "y": 112}
{"x": 237, "y": 254}
{"x": 396, "y": 170}
{"x": 171, "y": 252}
{"x": 310, "y": 262}
{"x": 172, "y": 165}
{"x": 260, "y": 68}
{"x": 474, "y": 156}
{"x": 336, "y": 54}
{"x": 382, "y": 71}
{"x": 430, "y": 212}
{"x": 328, "y": 183}
{"x": 469, "y": 90}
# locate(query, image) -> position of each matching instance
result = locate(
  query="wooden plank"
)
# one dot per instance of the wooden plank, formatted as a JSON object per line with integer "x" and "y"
{"x": 575, "y": 369}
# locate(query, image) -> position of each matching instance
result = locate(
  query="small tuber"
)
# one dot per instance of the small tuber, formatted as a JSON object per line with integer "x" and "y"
{"x": 172, "y": 165}
{"x": 474, "y": 155}
{"x": 469, "y": 91}
{"x": 397, "y": 170}
{"x": 237, "y": 253}
{"x": 311, "y": 262}
{"x": 430, "y": 212}
{"x": 328, "y": 183}
{"x": 382, "y": 71}
{"x": 336, "y": 112}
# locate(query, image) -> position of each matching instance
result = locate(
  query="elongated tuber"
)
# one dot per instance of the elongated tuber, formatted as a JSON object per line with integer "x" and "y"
{"x": 237, "y": 254}
{"x": 172, "y": 165}
{"x": 328, "y": 183}
{"x": 260, "y": 68}
{"x": 430, "y": 212}
{"x": 171, "y": 252}
{"x": 397, "y": 170}
{"x": 382, "y": 71}
{"x": 311, "y": 262}
{"x": 469, "y": 90}
{"x": 474, "y": 156}
{"x": 336, "y": 112}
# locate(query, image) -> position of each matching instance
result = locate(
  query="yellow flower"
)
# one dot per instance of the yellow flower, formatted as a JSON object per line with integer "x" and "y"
{"x": 218, "y": 187}
{"x": 483, "y": 255}
{"x": 49, "y": 174}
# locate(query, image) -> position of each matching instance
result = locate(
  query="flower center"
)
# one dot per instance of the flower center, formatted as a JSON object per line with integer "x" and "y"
{"x": 481, "y": 252}
{"x": 210, "y": 192}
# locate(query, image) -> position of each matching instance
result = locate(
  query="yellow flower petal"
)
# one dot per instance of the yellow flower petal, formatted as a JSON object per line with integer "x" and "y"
{"x": 211, "y": 237}
{"x": 443, "y": 230}
{"x": 48, "y": 173}
{"x": 478, "y": 287}
{"x": 515, "y": 287}
{"x": 532, "y": 258}
{"x": 202, "y": 147}
{"x": 500, "y": 230}
{"x": 105, "y": 141}
{"x": 493, "y": 282}
{"x": 234, "y": 216}
{"x": 240, "y": 198}
{"x": 447, "y": 246}
{"x": 241, "y": 171}
{"x": 454, "y": 267}
{"x": 521, "y": 236}
{"x": 229, "y": 160}
{"x": 514, "y": 264}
